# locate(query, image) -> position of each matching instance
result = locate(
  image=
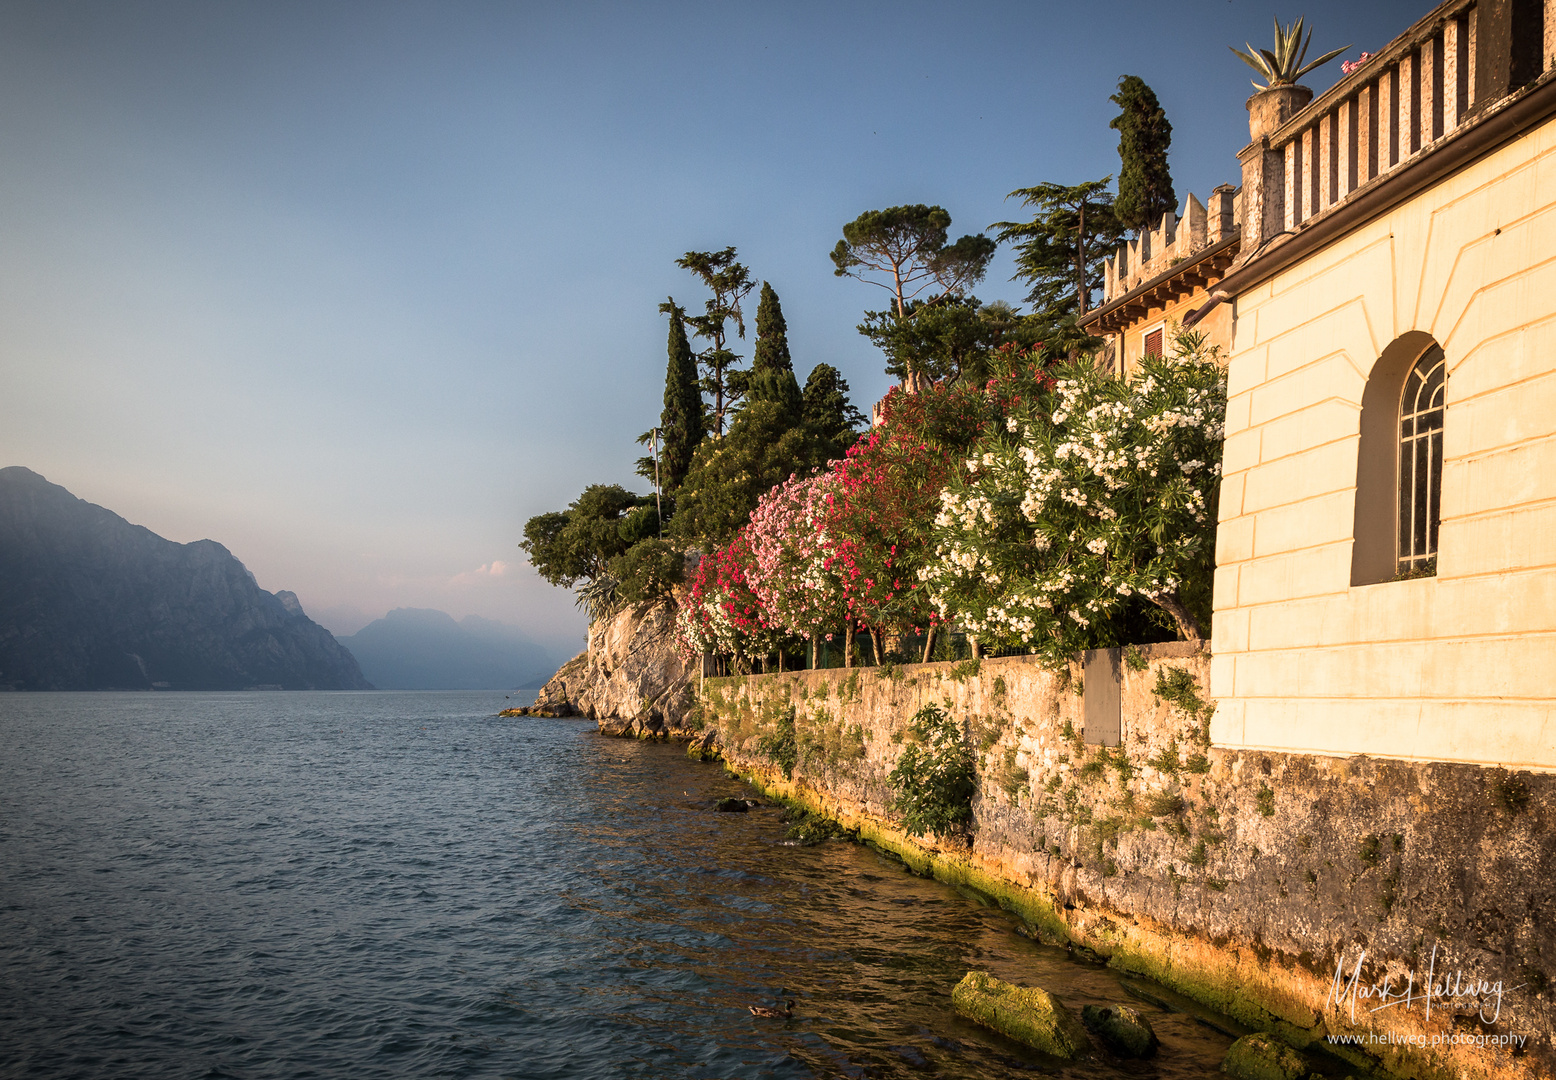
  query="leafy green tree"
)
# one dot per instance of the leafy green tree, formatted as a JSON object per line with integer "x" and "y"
{"x": 1059, "y": 253}
{"x": 730, "y": 283}
{"x": 763, "y": 448}
{"x": 906, "y": 251}
{"x": 681, "y": 422}
{"x": 577, "y": 544}
{"x": 648, "y": 570}
{"x": 952, "y": 339}
{"x": 830, "y": 418}
{"x": 1145, "y": 189}
{"x": 772, "y": 372}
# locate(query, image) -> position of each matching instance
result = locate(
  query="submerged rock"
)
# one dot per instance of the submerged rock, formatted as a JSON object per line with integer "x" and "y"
{"x": 1122, "y": 1029}
{"x": 731, "y": 806}
{"x": 1263, "y": 1057}
{"x": 807, "y": 829}
{"x": 1028, "y": 1014}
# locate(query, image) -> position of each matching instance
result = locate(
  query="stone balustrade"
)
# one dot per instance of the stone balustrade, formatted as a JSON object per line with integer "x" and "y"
{"x": 1306, "y": 157}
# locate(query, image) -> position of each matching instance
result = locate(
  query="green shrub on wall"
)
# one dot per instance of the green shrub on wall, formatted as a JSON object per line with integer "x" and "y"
{"x": 934, "y": 779}
{"x": 781, "y": 745}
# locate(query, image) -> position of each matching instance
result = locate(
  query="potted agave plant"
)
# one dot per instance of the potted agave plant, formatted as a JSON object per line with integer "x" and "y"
{"x": 1280, "y": 98}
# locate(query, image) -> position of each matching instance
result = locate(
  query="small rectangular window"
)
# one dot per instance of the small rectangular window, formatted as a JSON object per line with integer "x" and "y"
{"x": 1153, "y": 343}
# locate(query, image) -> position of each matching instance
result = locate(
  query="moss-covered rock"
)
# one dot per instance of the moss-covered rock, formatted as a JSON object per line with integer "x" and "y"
{"x": 1027, "y": 1014}
{"x": 1122, "y": 1029}
{"x": 807, "y": 829}
{"x": 1263, "y": 1057}
{"x": 705, "y": 747}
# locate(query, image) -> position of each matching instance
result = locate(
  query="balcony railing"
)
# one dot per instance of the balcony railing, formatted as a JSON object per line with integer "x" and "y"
{"x": 1429, "y": 82}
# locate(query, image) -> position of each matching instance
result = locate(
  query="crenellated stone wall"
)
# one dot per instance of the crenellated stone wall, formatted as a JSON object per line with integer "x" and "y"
{"x": 1243, "y": 879}
{"x": 1173, "y": 240}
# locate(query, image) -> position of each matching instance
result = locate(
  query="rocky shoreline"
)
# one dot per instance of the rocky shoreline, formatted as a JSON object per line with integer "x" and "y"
{"x": 632, "y": 680}
{"x": 1238, "y": 879}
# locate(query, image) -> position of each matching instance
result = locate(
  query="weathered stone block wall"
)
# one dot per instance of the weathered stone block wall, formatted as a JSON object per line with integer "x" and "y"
{"x": 1241, "y": 878}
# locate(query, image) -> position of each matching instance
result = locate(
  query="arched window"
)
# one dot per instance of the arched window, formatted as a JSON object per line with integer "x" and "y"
{"x": 1400, "y": 463}
{"x": 1421, "y": 464}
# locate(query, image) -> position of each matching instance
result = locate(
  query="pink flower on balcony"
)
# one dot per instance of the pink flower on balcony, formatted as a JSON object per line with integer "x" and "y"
{"x": 1348, "y": 66}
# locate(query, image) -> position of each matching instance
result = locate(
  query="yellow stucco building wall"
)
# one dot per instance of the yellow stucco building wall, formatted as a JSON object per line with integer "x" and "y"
{"x": 1216, "y": 326}
{"x": 1456, "y": 667}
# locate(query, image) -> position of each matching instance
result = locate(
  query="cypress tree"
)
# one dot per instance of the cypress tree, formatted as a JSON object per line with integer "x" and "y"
{"x": 772, "y": 370}
{"x": 1145, "y": 189}
{"x": 772, "y": 334}
{"x": 681, "y": 424}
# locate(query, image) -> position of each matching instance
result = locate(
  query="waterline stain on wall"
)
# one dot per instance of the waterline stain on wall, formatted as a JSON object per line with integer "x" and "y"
{"x": 1244, "y": 879}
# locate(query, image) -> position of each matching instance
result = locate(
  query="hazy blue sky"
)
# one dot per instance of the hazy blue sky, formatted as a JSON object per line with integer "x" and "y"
{"x": 356, "y": 288}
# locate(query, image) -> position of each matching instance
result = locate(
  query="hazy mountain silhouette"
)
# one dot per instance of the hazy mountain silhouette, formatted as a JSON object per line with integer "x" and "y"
{"x": 422, "y": 649}
{"x": 89, "y": 601}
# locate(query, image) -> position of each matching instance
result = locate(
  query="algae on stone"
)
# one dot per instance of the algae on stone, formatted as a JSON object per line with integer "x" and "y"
{"x": 1028, "y": 1014}
{"x": 1122, "y": 1029}
{"x": 1263, "y": 1057}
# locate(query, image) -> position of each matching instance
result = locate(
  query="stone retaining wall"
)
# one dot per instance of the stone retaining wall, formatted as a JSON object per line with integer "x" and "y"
{"x": 1242, "y": 879}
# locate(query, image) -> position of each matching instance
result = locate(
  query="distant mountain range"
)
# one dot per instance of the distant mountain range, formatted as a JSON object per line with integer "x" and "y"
{"x": 89, "y": 601}
{"x": 421, "y": 649}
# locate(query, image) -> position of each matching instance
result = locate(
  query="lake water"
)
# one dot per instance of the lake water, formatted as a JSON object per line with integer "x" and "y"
{"x": 403, "y": 885}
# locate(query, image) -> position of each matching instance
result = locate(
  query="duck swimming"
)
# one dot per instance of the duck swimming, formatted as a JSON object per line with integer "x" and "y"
{"x": 763, "y": 1010}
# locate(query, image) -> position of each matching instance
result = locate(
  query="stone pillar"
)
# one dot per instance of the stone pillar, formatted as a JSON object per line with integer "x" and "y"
{"x": 1221, "y": 217}
{"x": 1510, "y": 42}
{"x": 1264, "y": 169}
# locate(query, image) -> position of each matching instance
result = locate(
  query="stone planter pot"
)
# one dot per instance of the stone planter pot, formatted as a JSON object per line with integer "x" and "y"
{"x": 1269, "y": 109}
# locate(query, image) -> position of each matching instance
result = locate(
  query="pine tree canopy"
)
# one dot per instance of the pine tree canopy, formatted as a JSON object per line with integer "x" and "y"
{"x": 908, "y": 247}
{"x": 1059, "y": 252}
{"x": 730, "y": 282}
{"x": 1145, "y": 190}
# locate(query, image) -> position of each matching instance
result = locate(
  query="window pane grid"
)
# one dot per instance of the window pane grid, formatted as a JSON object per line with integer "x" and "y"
{"x": 1421, "y": 463}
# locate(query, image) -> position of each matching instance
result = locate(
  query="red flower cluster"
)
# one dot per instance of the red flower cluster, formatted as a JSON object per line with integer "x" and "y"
{"x": 888, "y": 487}
{"x": 881, "y": 502}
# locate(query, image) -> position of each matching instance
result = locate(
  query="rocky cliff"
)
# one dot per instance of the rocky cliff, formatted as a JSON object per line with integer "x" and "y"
{"x": 89, "y": 601}
{"x": 631, "y": 679}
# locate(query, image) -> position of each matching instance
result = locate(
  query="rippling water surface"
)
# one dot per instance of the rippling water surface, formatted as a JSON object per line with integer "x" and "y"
{"x": 402, "y": 885}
